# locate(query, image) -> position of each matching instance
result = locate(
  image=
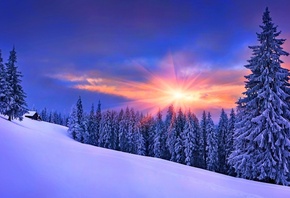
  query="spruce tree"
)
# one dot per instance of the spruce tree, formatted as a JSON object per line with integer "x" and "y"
{"x": 179, "y": 150}
{"x": 189, "y": 139}
{"x": 169, "y": 116}
{"x": 203, "y": 140}
{"x": 90, "y": 137}
{"x": 15, "y": 96}
{"x": 73, "y": 126}
{"x": 123, "y": 128}
{"x": 221, "y": 135}
{"x": 97, "y": 125}
{"x": 43, "y": 115}
{"x": 3, "y": 86}
{"x": 212, "y": 145}
{"x": 115, "y": 122}
{"x": 77, "y": 123}
{"x": 229, "y": 140}
{"x": 106, "y": 133}
{"x": 148, "y": 132}
{"x": 158, "y": 135}
{"x": 262, "y": 136}
{"x": 139, "y": 141}
{"x": 118, "y": 122}
{"x": 172, "y": 137}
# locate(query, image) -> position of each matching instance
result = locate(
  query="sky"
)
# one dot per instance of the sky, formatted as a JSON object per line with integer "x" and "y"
{"x": 141, "y": 54}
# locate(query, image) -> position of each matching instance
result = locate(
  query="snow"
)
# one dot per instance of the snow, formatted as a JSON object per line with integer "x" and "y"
{"x": 38, "y": 159}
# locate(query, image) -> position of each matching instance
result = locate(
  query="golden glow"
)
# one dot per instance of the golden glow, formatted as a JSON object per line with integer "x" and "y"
{"x": 195, "y": 88}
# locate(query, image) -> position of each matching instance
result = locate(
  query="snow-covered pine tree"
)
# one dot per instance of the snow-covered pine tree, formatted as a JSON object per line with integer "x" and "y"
{"x": 197, "y": 154}
{"x": 91, "y": 128}
{"x": 118, "y": 127}
{"x": 189, "y": 139}
{"x": 139, "y": 141}
{"x": 172, "y": 137}
{"x": 229, "y": 140}
{"x": 106, "y": 133}
{"x": 126, "y": 131}
{"x": 203, "y": 141}
{"x": 115, "y": 123}
{"x": 98, "y": 125}
{"x": 159, "y": 131}
{"x": 221, "y": 136}
{"x": 148, "y": 131}
{"x": 167, "y": 123}
{"x": 179, "y": 150}
{"x": 130, "y": 144}
{"x": 212, "y": 144}
{"x": 262, "y": 132}
{"x": 123, "y": 128}
{"x": 43, "y": 115}
{"x": 73, "y": 126}
{"x": 15, "y": 101}
{"x": 3, "y": 85}
{"x": 80, "y": 133}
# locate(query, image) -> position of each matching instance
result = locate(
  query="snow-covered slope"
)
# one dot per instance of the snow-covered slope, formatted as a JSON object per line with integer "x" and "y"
{"x": 38, "y": 159}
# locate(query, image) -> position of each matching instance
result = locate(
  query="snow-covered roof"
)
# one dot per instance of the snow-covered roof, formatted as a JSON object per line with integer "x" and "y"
{"x": 30, "y": 113}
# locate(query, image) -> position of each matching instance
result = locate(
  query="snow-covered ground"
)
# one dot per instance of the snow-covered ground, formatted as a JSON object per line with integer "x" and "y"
{"x": 38, "y": 159}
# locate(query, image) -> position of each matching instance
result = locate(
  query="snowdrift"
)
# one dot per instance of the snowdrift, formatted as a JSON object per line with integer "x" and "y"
{"x": 38, "y": 159}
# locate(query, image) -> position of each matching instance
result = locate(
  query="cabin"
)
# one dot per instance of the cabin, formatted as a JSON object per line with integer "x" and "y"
{"x": 33, "y": 115}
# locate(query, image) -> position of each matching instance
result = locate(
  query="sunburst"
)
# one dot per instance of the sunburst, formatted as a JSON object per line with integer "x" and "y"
{"x": 167, "y": 86}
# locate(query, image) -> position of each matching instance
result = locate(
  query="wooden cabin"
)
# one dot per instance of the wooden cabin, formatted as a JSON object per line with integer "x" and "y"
{"x": 33, "y": 115}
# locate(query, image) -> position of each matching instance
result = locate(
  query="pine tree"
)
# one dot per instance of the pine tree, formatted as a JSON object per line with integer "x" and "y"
{"x": 73, "y": 125}
{"x": 123, "y": 128}
{"x": 158, "y": 135}
{"x": 3, "y": 86}
{"x": 80, "y": 134}
{"x": 212, "y": 145}
{"x": 221, "y": 135}
{"x": 77, "y": 123}
{"x": 44, "y": 115}
{"x": 172, "y": 138}
{"x": 230, "y": 140}
{"x": 15, "y": 101}
{"x": 118, "y": 122}
{"x": 148, "y": 132}
{"x": 106, "y": 133}
{"x": 203, "y": 140}
{"x": 98, "y": 125}
{"x": 90, "y": 136}
{"x": 179, "y": 150}
{"x": 115, "y": 130}
{"x": 169, "y": 116}
{"x": 189, "y": 139}
{"x": 139, "y": 141}
{"x": 262, "y": 134}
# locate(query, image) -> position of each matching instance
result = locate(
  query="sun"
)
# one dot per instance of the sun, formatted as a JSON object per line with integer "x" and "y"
{"x": 165, "y": 87}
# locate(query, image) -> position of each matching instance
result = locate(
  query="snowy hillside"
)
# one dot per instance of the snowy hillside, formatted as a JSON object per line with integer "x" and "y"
{"x": 38, "y": 159}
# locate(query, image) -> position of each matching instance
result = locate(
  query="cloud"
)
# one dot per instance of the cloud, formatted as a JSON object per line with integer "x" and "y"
{"x": 193, "y": 86}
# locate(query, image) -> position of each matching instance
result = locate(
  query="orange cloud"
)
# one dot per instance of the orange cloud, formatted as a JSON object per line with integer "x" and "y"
{"x": 193, "y": 88}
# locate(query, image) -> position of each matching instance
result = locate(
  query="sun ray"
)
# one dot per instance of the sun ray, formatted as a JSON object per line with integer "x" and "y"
{"x": 197, "y": 90}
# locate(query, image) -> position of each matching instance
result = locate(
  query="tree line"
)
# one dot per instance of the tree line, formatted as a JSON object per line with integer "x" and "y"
{"x": 179, "y": 137}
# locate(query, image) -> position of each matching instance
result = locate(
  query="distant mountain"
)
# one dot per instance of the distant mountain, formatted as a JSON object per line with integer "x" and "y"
{"x": 38, "y": 159}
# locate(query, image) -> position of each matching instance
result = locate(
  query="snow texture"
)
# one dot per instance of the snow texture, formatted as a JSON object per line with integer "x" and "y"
{"x": 39, "y": 159}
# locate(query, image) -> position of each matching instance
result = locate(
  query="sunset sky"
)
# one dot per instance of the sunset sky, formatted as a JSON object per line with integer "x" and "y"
{"x": 144, "y": 54}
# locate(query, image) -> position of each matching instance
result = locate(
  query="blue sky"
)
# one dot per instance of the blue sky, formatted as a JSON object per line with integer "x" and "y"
{"x": 98, "y": 49}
